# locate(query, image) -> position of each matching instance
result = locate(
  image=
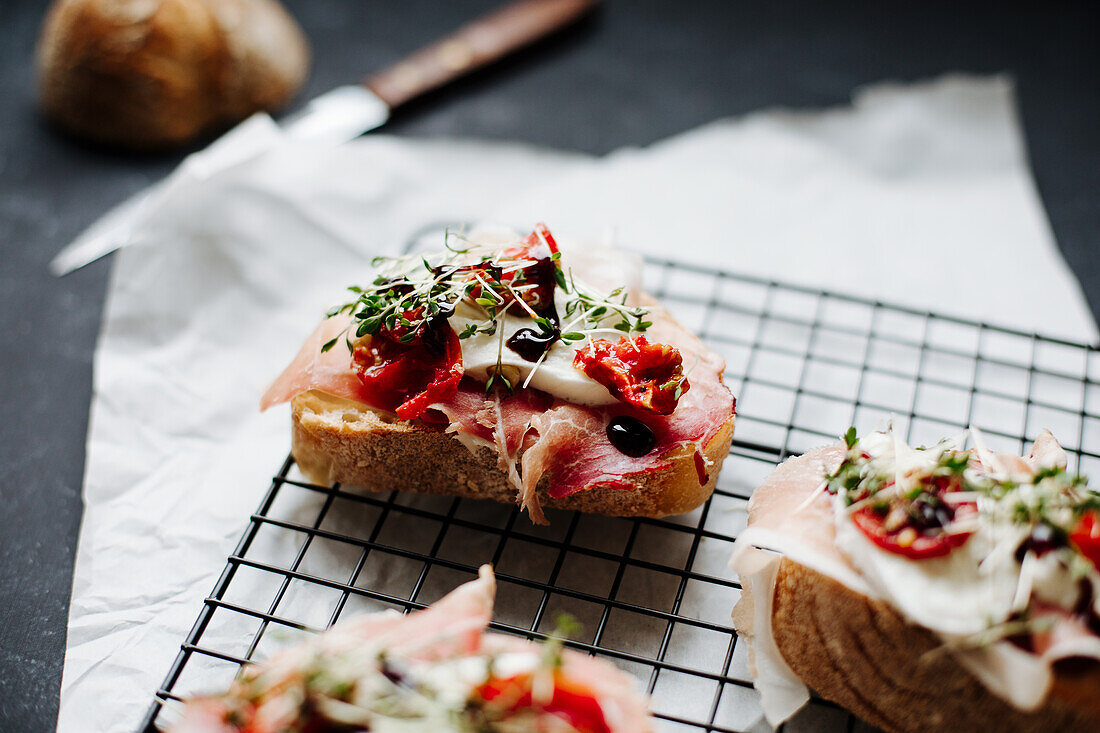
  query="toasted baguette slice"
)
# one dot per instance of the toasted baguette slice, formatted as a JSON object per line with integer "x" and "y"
{"x": 860, "y": 653}
{"x": 335, "y": 439}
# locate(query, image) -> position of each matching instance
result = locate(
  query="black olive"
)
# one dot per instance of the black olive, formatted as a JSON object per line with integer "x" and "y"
{"x": 1044, "y": 538}
{"x": 926, "y": 515}
{"x": 929, "y": 512}
{"x": 530, "y": 343}
{"x": 391, "y": 673}
{"x": 944, "y": 515}
{"x": 631, "y": 436}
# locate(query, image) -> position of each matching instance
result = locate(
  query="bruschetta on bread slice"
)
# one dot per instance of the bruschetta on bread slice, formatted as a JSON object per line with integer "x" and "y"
{"x": 930, "y": 588}
{"x": 432, "y": 670}
{"x": 505, "y": 368}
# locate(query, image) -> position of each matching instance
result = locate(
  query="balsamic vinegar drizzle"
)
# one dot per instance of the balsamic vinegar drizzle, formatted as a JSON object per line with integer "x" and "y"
{"x": 532, "y": 343}
{"x": 631, "y": 436}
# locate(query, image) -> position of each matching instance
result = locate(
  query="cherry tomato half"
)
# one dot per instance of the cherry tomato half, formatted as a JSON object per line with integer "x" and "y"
{"x": 570, "y": 702}
{"x": 1086, "y": 537}
{"x": 908, "y": 541}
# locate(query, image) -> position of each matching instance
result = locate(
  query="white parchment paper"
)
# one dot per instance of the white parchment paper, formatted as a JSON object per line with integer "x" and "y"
{"x": 919, "y": 195}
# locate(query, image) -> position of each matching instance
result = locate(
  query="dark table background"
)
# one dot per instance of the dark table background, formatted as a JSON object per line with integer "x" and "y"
{"x": 635, "y": 73}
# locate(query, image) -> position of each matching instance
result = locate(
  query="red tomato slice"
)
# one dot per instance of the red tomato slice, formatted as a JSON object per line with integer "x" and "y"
{"x": 1086, "y": 537}
{"x": 408, "y": 378}
{"x": 922, "y": 547}
{"x": 570, "y": 702}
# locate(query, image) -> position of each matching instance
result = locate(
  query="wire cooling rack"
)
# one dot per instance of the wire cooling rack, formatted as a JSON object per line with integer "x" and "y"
{"x": 653, "y": 596}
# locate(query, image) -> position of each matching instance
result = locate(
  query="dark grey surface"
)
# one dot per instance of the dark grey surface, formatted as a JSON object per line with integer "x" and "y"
{"x": 636, "y": 73}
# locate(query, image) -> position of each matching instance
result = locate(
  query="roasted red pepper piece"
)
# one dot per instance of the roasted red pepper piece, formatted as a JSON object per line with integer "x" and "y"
{"x": 650, "y": 376}
{"x": 570, "y": 701}
{"x": 541, "y": 273}
{"x": 400, "y": 331}
{"x": 407, "y": 378}
{"x": 1086, "y": 537}
{"x": 542, "y": 233}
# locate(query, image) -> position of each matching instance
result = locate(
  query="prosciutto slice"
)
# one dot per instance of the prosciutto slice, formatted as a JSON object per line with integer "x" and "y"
{"x": 503, "y": 421}
{"x": 330, "y": 372}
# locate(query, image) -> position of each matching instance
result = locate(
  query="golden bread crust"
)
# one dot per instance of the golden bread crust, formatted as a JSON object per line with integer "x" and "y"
{"x": 333, "y": 439}
{"x": 860, "y": 653}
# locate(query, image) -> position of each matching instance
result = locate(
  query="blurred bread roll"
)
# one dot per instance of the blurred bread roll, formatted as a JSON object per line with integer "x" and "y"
{"x": 147, "y": 74}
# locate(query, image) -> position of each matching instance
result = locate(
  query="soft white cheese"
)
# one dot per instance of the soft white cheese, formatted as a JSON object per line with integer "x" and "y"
{"x": 963, "y": 592}
{"x": 598, "y": 267}
{"x": 782, "y": 693}
{"x": 979, "y": 584}
{"x": 1051, "y": 579}
{"x": 954, "y": 594}
{"x": 555, "y": 374}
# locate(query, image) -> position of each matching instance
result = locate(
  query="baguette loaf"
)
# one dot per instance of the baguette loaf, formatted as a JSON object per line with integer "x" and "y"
{"x": 338, "y": 440}
{"x": 860, "y": 653}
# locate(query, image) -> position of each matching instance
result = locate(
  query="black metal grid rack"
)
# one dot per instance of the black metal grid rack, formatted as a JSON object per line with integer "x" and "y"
{"x": 653, "y": 596}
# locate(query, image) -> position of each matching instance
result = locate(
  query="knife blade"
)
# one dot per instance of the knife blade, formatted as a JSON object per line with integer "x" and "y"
{"x": 336, "y": 116}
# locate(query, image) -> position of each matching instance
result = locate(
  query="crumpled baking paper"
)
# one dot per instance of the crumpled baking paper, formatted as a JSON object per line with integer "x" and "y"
{"x": 914, "y": 194}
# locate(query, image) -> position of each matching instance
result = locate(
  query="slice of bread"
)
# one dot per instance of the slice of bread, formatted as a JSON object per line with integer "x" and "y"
{"x": 335, "y": 439}
{"x": 862, "y": 654}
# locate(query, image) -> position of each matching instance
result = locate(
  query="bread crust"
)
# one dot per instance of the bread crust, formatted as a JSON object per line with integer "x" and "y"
{"x": 860, "y": 653}
{"x": 334, "y": 439}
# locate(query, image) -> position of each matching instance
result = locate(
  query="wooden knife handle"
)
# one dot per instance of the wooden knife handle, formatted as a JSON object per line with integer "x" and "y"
{"x": 474, "y": 45}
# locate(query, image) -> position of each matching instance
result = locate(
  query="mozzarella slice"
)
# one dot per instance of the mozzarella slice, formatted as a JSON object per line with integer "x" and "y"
{"x": 954, "y": 594}
{"x": 555, "y": 374}
{"x": 601, "y": 268}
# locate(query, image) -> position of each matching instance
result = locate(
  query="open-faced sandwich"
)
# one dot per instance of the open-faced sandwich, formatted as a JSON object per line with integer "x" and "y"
{"x": 925, "y": 588}
{"x": 501, "y": 367}
{"x": 433, "y": 670}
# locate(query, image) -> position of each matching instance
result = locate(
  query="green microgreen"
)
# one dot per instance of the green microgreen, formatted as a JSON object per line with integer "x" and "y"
{"x": 1049, "y": 495}
{"x": 851, "y": 438}
{"x": 411, "y": 294}
{"x": 590, "y": 311}
{"x": 565, "y": 627}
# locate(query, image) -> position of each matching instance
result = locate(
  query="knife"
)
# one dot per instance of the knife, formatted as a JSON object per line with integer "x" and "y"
{"x": 338, "y": 115}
